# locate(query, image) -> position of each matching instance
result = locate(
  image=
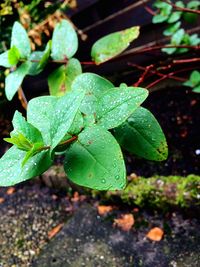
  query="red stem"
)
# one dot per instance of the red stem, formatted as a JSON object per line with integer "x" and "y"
{"x": 182, "y": 8}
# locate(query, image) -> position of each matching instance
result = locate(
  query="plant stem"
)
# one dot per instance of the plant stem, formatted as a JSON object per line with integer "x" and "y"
{"x": 182, "y": 8}
{"x": 188, "y": 60}
{"x": 22, "y": 98}
{"x": 73, "y": 138}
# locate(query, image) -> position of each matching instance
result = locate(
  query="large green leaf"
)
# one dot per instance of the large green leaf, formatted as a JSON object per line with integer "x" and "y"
{"x": 64, "y": 41}
{"x": 60, "y": 80}
{"x": 116, "y": 105}
{"x": 15, "y": 79}
{"x": 64, "y": 113}
{"x": 4, "y": 62}
{"x": 39, "y": 114}
{"x": 12, "y": 172}
{"x": 95, "y": 160}
{"x": 94, "y": 86}
{"x": 20, "y": 39}
{"x": 142, "y": 135}
{"x": 113, "y": 44}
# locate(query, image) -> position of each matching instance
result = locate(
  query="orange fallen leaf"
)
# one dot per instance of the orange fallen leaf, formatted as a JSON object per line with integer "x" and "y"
{"x": 155, "y": 234}
{"x": 1, "y": 200}
{"x": 102, "y": 210}
{"x": 55, "y": 230}
{"x": 10, "y": 191}
{"x": 125, "y": 222}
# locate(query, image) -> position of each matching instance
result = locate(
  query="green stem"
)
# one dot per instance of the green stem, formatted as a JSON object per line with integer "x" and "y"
{"x": 73, "y": 138}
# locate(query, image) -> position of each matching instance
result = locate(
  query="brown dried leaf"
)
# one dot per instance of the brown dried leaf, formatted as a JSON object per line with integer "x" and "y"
{"x": 55, "y": 230}
{"x": 10, "y": 191}
{"x": 102, "y": 210}
{"x": 155, "y": 234}
{"x": 2, "y": 200}
{"x": 125, "y": 222}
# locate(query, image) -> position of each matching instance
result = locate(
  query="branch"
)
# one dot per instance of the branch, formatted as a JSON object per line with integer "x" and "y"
{"x": 116, "y": 14}
{"x": 189, "y": 60}
{"x": 182, "y": 8}
{"x": 22, "y": 98}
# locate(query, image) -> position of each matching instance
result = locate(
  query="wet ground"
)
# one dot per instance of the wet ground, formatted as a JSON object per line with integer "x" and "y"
{"x": 29, "y": 213}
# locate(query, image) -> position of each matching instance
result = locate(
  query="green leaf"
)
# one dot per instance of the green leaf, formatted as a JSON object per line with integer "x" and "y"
{"x": 194, "y": 39}
{"x": 20, "y": 39}
{"x": 190, "y": 17}
{"x": 63, "y": 115}
{"x": 116, "y": 105}
{"x": 174, "y": 17}
{"x": 13, "y": 55}
{"x": 4, "y": 62}
{"x": 12, "y": 172}
{"x": 34, "y": 66}
{"x": 196, "y": 89}
{"x": 178, "y": 37}
{"x": 32, "y": 134}
{"x": 19, "y": 140}
{"x": 113, "y": 44}
{"x": 94, "y": 86}
{"x": 77, "y": 124}
{"x": 170, "y": 50}
{"x": 142, "y": 135}
{"x": 15, "y": 79}
{"x": 171, "y": 29}
{"x": 193, "y": 4}
{"x": 64, "y": 41}
{"x": 159, "y": 18}
{"x": 39, "y": 114}
{"x": 95, "y": 160}
{"x": 45, "y": 56}
{"x": 60, "y": 80}
{"x": 195, "y": 77}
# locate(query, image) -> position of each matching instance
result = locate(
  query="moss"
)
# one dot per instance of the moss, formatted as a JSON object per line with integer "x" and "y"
{"x": 161, "y": 191}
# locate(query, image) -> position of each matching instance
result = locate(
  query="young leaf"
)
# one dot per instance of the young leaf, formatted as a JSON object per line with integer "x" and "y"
{"x": 63, "y": 115}
{"x": 113, "y": 44}
{"x": 60, "y": 80}
{"x": 4, "y": 62}
{"x": 12, "y": 172}
{"x": 32, "y": 134}
{"x": 95, "y": 160}
{"x": 142, "y": 135}
{"x": 116, "y": 105}
{"x": 13, "y": 55}
{"x": 15, "y": 79}
{"x": 39, "y": 114}
{"x": 94, "y": 86}
{"x": 20, "y": 39}
{"x": 45, "y": 56}
{"x": 64, "y": 41}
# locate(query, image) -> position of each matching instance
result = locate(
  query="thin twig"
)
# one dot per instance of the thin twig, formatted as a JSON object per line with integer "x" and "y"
{"x": 22, "y": 98}
{"x": 182, "y": 8}
{"x": 116, "y": 14}
{"x": 188, "y": 60}
{"x": 150, "y": 11}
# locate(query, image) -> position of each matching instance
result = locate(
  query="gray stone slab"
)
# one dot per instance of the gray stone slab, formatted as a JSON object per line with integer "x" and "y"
{"x": 90, "y": 240}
